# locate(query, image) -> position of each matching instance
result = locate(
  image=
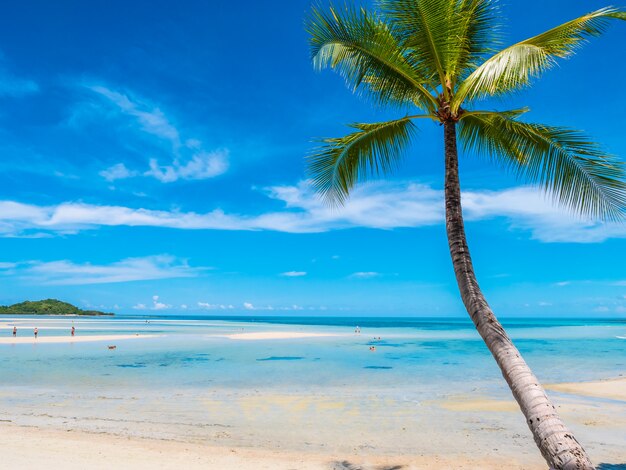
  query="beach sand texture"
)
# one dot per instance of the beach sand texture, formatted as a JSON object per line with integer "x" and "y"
{"x": 31, "y": 448}
{"x": 614, "y": 389}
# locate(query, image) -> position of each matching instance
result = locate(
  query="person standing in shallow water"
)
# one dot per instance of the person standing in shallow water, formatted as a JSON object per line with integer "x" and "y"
{"x": 36, "y": 332}
{"x": 73, "y": 330}
{"x": 14, "y": 331}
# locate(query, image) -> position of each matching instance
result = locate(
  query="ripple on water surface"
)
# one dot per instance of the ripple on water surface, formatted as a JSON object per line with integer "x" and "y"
{"x": 281, "y": 358}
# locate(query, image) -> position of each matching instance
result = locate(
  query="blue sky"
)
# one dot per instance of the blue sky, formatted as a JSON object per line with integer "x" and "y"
{"x": 153, "y": 160}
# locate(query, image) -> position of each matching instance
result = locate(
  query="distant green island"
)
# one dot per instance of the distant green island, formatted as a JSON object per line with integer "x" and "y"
{"x": 47, "y": 307}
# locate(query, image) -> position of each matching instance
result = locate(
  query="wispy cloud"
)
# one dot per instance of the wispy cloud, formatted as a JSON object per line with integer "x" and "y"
{"x": 250, "y": 306}
{"x": 208, "y": 306}
{"x": 187, "y": 157}
{"x": 294, "y": 274}
{"x": 13, "y": 85}
{"x": 66, "y": 272}
{"x": 382, "y": 205}
{"x": 117, "y": 172}
{"x": 364, "y": 275}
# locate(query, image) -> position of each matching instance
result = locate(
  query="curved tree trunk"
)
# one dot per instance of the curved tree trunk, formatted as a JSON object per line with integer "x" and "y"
{"x": 556, "y": 443}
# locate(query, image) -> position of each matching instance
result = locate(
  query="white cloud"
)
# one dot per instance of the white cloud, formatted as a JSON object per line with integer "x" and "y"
{"x": 294, "y": 274}
{"x": 151, "y": 119}
{"x": 201, "y": 166}
{"x": 381, "y": 205}
{"x": 157, "y": 305}
{"x": 208, "y": 306}
{"x": 131, "y": 269}
{"x": 117, "y": 172}
{"x": 364, "y": 275}
{"x": 189, "y": 160}
{"x": 250, "y": 306}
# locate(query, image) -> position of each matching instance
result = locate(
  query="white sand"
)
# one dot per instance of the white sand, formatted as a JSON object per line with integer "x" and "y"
{"x": 33, "y": 448}
{"x": 278, "y": 335}
{"x": 70, "y": 339}
{"x": 614, "y": 389}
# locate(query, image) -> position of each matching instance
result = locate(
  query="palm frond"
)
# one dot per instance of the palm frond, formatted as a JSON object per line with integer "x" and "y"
{"x": 477, "y": 34}
{"x": 423, "y": 27}
{"x": 514, "y": 67}
{"x": 372, "y": 150}
{"x": 444, "y": 37}
{"x": 565, "y": 163}
{"x": 364, "y": 50}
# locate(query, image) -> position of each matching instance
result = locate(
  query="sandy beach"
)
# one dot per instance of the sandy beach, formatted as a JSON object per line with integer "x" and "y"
{"x": 71, "y": 339}
{"x": 247, "y": 431}
{"x": 72, "y": 450}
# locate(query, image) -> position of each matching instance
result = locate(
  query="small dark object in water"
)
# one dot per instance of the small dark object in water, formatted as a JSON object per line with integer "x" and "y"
{"x": 112, "y": 347}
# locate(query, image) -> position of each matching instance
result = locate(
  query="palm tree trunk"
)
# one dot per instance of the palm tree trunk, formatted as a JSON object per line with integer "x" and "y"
{"x": 556, "y": 443}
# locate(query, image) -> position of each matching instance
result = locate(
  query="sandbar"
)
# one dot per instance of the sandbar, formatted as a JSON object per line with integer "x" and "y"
{"x": 70, "y": 339}
{"x": 614, "y": 389}
{"x": 278, "y": 335}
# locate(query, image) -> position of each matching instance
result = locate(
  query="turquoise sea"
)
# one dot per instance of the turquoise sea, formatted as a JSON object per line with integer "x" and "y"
{"x": 192, "y": 381}
{"x": 192, "y": 352}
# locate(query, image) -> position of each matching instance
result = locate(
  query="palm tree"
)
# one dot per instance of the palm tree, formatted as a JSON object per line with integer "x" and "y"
{"x": 438, "y": 56}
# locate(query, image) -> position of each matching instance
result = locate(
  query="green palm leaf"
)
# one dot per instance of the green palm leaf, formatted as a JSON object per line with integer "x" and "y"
{"x": 373, "y": 149}
{"x": 445, "y": 37}
{"x": 564, "y": 162}
{"x": 423, "y": 27}
{"x": 514, "y": 67}
{"x": 364, "y": 50}
{"x": 477, "y": 35}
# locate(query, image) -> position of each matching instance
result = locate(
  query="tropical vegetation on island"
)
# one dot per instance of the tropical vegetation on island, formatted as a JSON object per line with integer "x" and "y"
{"x": 46, "y": 307}
{"x": 442, "y": 57}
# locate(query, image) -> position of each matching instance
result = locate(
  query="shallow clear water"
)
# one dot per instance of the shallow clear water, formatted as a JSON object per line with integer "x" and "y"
{"x": 194, "y": 352}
